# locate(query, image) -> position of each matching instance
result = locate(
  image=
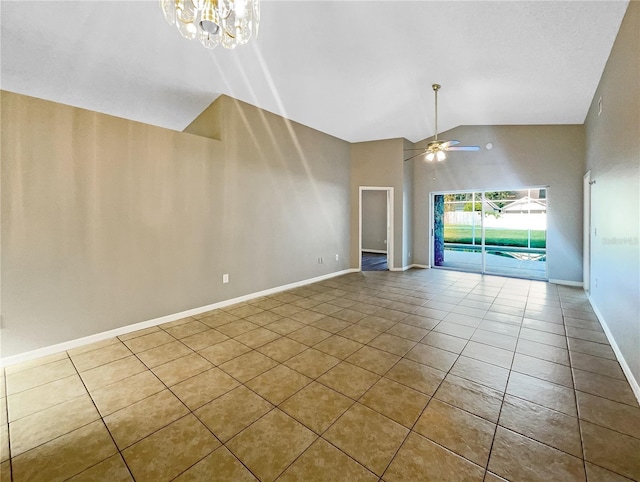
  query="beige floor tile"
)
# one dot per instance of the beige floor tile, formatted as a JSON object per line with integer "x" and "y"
{"x": 278, "y": 384}
{"x": 92, "y": 346}
{"x": 547, "y": 394}
{"x": 349, "y": 379}
{"x": 497, "y": 340}
{"x": 123, "y": 393}
{"x": 542, "y": 424}
{"x": 421, "y": 322}
{"x": 138, "y": 333}
{"x": 285, "y": 326}
{"x": 338, "y": 346}
{"x": 591, "y": 348}
{"x": 596, "y": 364}
{"x": 112, "y": 372}
{"x": 38, "y": 375}
{"x": 216, "y": 318}
{"x": 316, "y": 406}
{"x": 322, "y": 462}
{"x": 545, "y": 352}
{"x": 349, "y": 315}
{"x": 101, "y": 356}
{"x": 459, "y": 431}
{"x": 237, "y": 328}
{"x": 258, "y": 337}
{"x": 596, "y": 336}
{"x": 330, "y": 324}
{"x": 282, "y": 349}
{"x": 19, "y": 367}
{"x": 65, "y": 456}
{"x": 309, "y": 335}
{"x": 373, "y": 359}
{"x": 248, "y": 366}
{"x": 4, "y": 442}
{"x": 174, "y": 323}
{"x": 454, "y": 329}
{"x": 220, "y": 466}
{"x": 45, "y": 425}
{"x": 42, "y": 397}
{"x": 395, "y": 401}
{"x": 151, "y": 340}
{"x": 434, "y": 357}
{"x": 244, "y": 310}
{"x": 163, "y": 354}
{"x": 410, "y": 332}
{"x": 614, "y": 415}
{"x": 491, "y": 376}
{"x": 232, "y": 412}
{"x": 112, "y": 469}
{"x": 376, "y": 322}
{"x": 605, "y": 387}
{"x": 326, "y": 309}
{"x": 391, "y": 315}
{"x": 489, "y": 354}
{"x": 598, "y": 474}
{"x": 515, "y": 457}
{"x": 557, "y": 328}
{"x": 502, "y": 328}
{"x": 420, "y": 459}
{"x": 470, "y": 396}
{"x": 359, "y": 333}
{"x": 415, "y": 375}
{"x": 5, "y": 471}
{"x": 263, "y": 318}
{"x": 142, "y": 418}
{"x": 171, "y": 450}
{"x": 200, "y": 389}
{"x": 392, "y": 344}
{"x": 182, "y": 368}
{"x": 546, "y": 370}
{"x": 204, "y": 339}
{"x": 370, "y": 438}
{"x": 612, "y": 450}
{"x": 445, "y": 342}
{"x": 312, "y": 363}
{"x": 224, "y": 351}
{"x": 269, "y": 445}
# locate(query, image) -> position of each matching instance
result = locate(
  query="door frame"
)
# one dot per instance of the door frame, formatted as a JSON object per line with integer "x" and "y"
{"x": 390, "y": 229}
{"x": 586, "y": 232}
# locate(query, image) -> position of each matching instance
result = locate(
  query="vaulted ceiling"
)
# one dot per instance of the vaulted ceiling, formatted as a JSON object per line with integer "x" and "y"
{"x": 358, "y": 70}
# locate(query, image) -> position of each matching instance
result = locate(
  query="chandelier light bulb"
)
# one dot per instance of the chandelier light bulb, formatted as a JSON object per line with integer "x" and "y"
{"x": 430, "y": 156}
{"x": 441, "y": 156}
{"x": 214, "y": 22}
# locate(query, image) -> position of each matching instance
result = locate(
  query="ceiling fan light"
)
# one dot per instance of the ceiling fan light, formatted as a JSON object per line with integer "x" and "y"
{"x": 430, "y": 156}
{"x": 441, "y": 156}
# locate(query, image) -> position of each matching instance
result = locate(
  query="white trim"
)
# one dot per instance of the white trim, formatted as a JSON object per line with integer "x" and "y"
{"x": 577, "y": 284}
{"x": 390, "y": 226}
{"x": 376, "y": 251}
{"x": 68, "y": 345}
{"x": 404, "y": 268}
{"x": 421, "y": 266}
{"x": 635, "y": 386}
{"x": 586, "y": 231}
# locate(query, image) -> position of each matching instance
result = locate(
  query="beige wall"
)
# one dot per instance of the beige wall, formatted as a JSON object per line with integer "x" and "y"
{"x": 108, "y": 222}
{"x": 613, "y": 156}
{"x": 521, "y": 156}
{"x": 374, "y": 220}
{"x": 377, "y": 164}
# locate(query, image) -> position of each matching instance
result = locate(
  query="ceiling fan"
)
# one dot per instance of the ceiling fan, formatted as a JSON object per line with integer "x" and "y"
{"x": 436, "y": 148}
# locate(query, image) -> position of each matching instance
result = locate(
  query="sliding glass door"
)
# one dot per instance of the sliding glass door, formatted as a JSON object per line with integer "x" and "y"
{"x": 496, "y": 232}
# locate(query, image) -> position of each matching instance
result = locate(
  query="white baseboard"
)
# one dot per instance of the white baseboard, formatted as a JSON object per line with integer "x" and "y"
{"x": 68, "y": 345}
{"x": 422, "y": 266}
{"x": 577, "y": 284}
{"x": 635, "y": 386}
{"x": 376, "y": 251}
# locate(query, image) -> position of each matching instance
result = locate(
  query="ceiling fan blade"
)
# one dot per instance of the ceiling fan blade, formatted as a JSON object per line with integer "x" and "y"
{"x": 413, "y": 157}
{"x": 450, "y": 143}
{"x": 464, "y": 148}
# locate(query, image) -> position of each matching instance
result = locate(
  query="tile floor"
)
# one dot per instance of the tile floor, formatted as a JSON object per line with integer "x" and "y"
{"x": 421, "y": 375}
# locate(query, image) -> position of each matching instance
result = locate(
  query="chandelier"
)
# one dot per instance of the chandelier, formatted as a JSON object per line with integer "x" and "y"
{"x": 214, "y": 22}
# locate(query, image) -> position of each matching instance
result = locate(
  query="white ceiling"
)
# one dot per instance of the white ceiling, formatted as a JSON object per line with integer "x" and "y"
{"x": 358, "y": 70}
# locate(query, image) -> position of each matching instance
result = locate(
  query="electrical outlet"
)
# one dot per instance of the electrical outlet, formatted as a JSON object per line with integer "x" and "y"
{"x": 596, "y": 282}
{"x": 337, "y": 258}
{"x": 225, "y": 278}
{"x": 599, "y": 106}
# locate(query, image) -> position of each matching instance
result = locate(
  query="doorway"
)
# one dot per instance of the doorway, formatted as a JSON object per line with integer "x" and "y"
{"x": 492, "y": 232}
{"x": 375, "y": 228}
